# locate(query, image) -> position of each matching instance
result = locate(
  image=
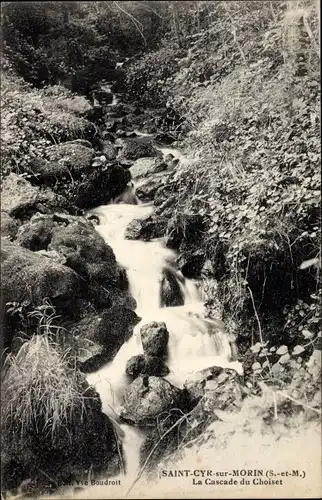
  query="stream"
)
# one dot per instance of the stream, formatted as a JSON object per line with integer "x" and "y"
{"x": 195, "y": 342}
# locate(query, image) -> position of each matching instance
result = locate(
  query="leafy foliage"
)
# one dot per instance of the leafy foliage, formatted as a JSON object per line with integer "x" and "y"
{"x": 34, "y": 119}
{"x": 78, "y": 43}
{"x": 248, "y": 90}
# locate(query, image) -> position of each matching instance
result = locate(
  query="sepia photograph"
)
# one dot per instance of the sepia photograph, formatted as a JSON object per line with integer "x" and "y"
{"x": 160, "y": 250}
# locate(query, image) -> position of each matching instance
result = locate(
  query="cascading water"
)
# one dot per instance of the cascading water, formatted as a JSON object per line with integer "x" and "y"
{"x": 195, "y": 343}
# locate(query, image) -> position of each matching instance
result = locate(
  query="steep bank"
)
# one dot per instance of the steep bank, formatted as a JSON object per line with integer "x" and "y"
{"x": 66, "y": 304}
{"x": 248, "y": 97}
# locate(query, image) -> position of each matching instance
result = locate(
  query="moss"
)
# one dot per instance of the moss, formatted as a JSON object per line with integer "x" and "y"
{"x": 53, "y": 426}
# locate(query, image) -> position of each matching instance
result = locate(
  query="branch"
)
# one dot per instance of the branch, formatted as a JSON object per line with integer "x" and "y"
{"x": 137, "y": 24}
{"x": 257, "y": 318}
{"x": 178, "y": 422}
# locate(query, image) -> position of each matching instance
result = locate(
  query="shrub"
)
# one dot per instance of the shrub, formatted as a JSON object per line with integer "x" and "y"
{"x": 34, "y": 119}
{"x": 53, "y": 428}
{"x": 254, "y": 174}
{"x": 42, "y": 393}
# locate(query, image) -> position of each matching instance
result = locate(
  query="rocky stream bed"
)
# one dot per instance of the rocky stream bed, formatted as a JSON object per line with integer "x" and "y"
{"x": 85, "y": 230}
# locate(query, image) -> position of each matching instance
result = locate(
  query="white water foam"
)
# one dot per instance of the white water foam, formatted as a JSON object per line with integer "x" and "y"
{"x": 195, "y": 343}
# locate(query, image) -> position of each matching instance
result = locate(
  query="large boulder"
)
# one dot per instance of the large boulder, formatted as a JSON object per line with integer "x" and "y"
{"x": 53, "y": 255}
{"x": 28, "y": 277}
{"x": 215, "y": 388}
{"x": 146, "y": 228}
{"x": 72, "y": 155}
{"x": 100, "y": 335}
{"x": 20, "y": 199}
{"x": 37, "y": 233}
{"x": 135, "y": 149}
{"x": 171, "y": 293}
{"x": 154, "y": 338}
{"x": 9, "y": 226}
{"x": 87, "y": 253}
{"x": 53, "y": 451}
{"x": 145, "y": 166}
{"x": 63, "y": 162}
{"x": 148, "y": 186}
{"x": 185, "y": 227}
{"x": 143, "y": 364}
{"x": 147, "y": 398}
{"x": 109, "y": 150}
{"x": 101, "y": 186}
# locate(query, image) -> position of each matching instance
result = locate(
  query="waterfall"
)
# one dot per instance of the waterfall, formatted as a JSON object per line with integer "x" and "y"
{"x": 195, "y": 343}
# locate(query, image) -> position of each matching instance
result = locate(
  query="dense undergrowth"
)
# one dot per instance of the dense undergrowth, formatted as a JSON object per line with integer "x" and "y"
{"x": 34, "y": 119}
{"x": 248, "y": 89}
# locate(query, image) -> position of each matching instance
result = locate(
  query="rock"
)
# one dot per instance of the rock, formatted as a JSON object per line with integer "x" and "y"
{"x": 146, "y": 365}
{"x": 42, "y": 171}
{"x": 27, "y": 276}
{"x": 87, "y": 441}
{"x": 74, "y": 154}
{"x": 122, "y": 298}
{"x": 133, "y": 230}
{"x": 18, "y": 195}
{"x": 90, "y": 356}
{"x": 215, "y": 388}
{"x": 93, "y": 218}
{"x": 147, "y": 187}
{"x": 148, "y": 397}
{"x": 63, "y": 161}
{"x": 109, "y": 150}
{"x": 52, "y": 254}
{"x": 169, "y": 158}
{"x": 134, "y": 149}
{"x": 185, "y": 227}
{"x": 9, "y": 226}
{"x": 106, "y": 332}
{"x": 190, "y": 262}
{"x": 145, "y": 166}
{"x": 154, "y": 338}
{"x": 145, "y": 229}
{"x": 37, "y": 233}
{"x": 125, "y": 163}
{"x": 164, "y": 138}
{"x": 170, "y": 291}
{"x": 121, "y": 133}
{"x": 22, "y": 200}
{"x": 87, "y": 253}
{"x": 101, "y": 186}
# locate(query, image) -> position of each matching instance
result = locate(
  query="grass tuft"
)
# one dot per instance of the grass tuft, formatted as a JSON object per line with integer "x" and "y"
{"x": 42, "y": 392}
